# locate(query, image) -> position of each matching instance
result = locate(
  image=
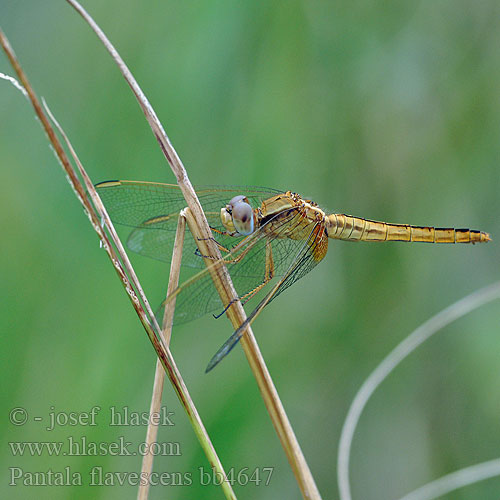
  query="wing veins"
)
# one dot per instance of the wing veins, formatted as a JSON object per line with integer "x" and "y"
{"x": 303, "y": 256}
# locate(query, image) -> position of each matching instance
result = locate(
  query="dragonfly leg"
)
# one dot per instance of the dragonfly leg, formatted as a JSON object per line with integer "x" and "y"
{"x": 269, "y": 275}
{"x": 222, "y": 248}
{"x": 217, "y": 316}
{"x": 223, "y": 233}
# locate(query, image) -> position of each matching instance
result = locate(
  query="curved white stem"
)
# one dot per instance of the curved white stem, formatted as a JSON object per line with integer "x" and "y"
{"x": 400, "y": 352}
{"x": 456, "y": 480}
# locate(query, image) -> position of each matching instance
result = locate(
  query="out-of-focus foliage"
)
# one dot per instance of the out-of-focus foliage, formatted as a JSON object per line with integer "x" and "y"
{"x": 387, "y": 110}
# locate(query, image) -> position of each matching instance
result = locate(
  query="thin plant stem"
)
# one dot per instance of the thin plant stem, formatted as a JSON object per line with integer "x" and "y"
{"x": 152, "y": 431}
{"x": 268, "y": 391}
{"x": 220, "y": 276}
{"x": 399, "y": 353}
{"x": 97, "y": 213}
{"x": 175, "y": 271}
{"x": 455, "y": 480}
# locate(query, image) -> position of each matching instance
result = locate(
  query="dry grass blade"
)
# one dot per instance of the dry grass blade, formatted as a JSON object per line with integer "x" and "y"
{"x": 96, "y": 213}
{"x": 398, "y": 354}
{"x": 222, "y": 281}
{"x": 152, "y": 432}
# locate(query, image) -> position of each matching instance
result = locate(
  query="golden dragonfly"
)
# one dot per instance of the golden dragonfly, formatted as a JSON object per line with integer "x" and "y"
{"x": 265, "y": 236}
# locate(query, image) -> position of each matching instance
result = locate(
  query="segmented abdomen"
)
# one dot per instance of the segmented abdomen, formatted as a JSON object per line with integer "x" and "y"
{"x": 347, "y": 227}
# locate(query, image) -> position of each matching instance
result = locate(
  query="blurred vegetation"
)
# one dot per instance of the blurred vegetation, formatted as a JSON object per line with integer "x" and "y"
{"x": 387, "y": 110}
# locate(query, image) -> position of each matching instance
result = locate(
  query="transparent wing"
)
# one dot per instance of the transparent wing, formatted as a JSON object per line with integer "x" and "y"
{"x": 312, "y": 250}
{"x": 246, "y": 264}
{"x": 153, "y": 210}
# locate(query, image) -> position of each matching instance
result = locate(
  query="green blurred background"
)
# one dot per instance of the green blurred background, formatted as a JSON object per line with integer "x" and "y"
{"x": 387, "y": 110}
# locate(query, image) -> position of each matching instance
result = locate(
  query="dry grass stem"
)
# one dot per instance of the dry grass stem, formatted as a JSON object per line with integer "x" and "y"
{"x": 200, "y": 229}
{"x": 397, "y": 355}
{"x": 173, "y": 282}
{"x": 152, "y": 432}
{"x": 96, "y": 213}
{"x": 269, "y": 393}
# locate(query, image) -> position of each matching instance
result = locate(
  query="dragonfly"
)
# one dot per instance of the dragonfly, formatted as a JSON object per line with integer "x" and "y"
{"x": 268, "y": 240}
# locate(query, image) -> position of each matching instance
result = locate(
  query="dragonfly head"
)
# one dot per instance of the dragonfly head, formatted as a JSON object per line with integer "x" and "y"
{"x": 237, "y": 216}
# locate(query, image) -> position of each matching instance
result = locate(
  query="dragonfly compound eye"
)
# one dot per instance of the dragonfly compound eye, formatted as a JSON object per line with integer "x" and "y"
{"x": 243, "y": 217}
{"x": 237, "y": 199}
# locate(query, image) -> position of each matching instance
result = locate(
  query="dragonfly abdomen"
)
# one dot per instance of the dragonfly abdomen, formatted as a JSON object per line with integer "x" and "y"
{"x": 347, "y": 227}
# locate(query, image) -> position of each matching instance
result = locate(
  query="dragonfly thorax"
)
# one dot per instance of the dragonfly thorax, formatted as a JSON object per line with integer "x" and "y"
{"x": 238, "y": 217}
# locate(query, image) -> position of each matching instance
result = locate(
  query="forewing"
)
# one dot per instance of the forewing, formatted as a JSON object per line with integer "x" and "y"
{"x": 155, "y": 239}
{"x": 153, "y": 210}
